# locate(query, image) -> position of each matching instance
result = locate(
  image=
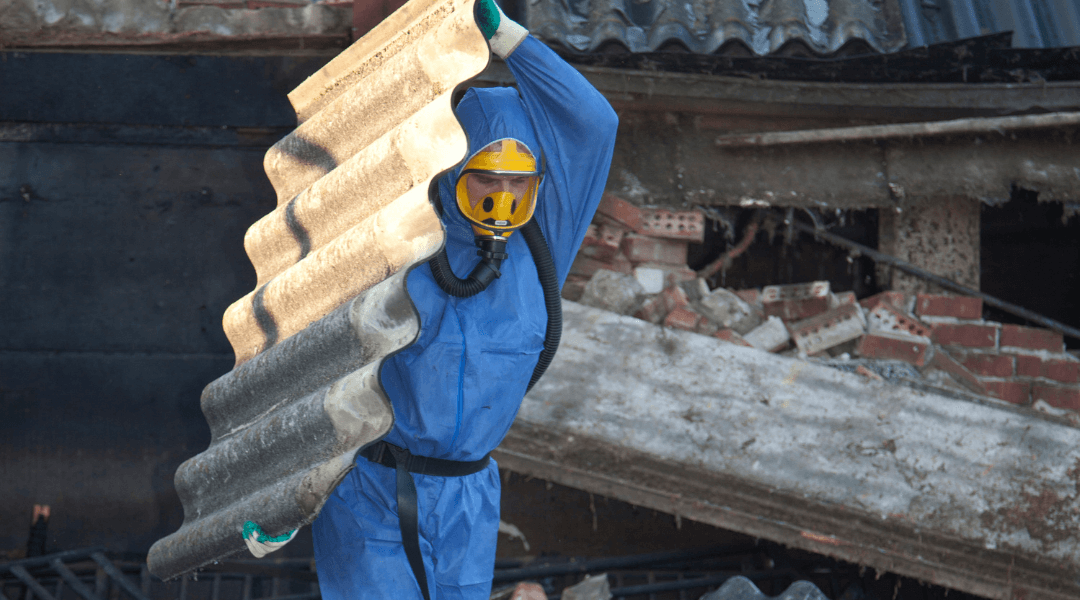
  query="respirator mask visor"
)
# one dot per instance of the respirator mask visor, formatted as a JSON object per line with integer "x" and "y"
{"x": 496, "y": 191}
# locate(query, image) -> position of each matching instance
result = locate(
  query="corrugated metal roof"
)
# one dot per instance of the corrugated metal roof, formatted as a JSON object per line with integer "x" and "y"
{"x": 1034, "y": 23}
{"x": 353, "y": 217}
{"x": 704, "y": 26}
{"x": 823, "y": 27}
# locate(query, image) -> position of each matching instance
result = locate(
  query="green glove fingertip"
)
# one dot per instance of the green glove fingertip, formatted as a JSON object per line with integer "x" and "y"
{"x": 488, "y": 17}
{"x": 252, "y": 529}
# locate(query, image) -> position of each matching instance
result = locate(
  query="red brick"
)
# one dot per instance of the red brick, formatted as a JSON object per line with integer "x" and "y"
{"x": 961, "y": 307}
{"x": 730, "y": 335}
{"x": 989, "y": 365}
{"x": 674, "y": 297}
{"x": 942, "y": 361}
{"x": 862, "y": 370}
{"x": 643, "y": 249}
{"x": 1058, "y": 396}
{"x": 886, "y": 317}
{"x": 751, "y": 297}
{"x": 795, "y": 291}
{"x": 683, "y": 225}
{"x": 705, "y": 326}
{"x": 620, "y": 210}
{"x": 1032, "y": 338}
{"x": 1015, "y": 392}
{"x": 1060, "y": 369}
{"x": 587, "y": 267}
{"x": 895, "y": 347}
{"x": 574, "y": 287}
{"x": 970, "y": 335}
{"x": 830, "y": 328}
{"x": 602, "y": 242}
{"x": 796, "y": 310}
{"x": 654, "y": 310}
{"x": 899, "y": 300}
{"x": 842, "y": 299}
{"x": 1028, "y": 366}
{"x": 682, "y": 318}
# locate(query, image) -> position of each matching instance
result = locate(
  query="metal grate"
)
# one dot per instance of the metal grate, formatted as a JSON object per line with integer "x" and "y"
{"x": 90, "y": 574}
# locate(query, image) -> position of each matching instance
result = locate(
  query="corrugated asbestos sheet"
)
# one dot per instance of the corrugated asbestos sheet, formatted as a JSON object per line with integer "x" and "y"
{"x": 977, "y": 496}
{"x": 708, "y": 26}
{"x": 353, "y": 215}
{"x": 820, "y": 26}
{"x": 1034, "y": 23}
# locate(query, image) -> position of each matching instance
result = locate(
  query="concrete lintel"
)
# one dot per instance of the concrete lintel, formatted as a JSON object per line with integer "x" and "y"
{"x": 939, "y": 234}
{"x": 669, "y": 160}
{"x": 977, "y": 497}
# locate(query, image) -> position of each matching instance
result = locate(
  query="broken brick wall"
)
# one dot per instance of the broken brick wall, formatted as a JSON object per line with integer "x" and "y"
{"x": 630, "y": 265}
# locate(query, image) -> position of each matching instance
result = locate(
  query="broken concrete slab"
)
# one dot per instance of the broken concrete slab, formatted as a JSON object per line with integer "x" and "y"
{"x": 770, "y": 336}
{"x": 616, "y": 292}
{"x": 981, "y": 497}
{"x": 729, "y": 311}
{"x": 593, "y": 587}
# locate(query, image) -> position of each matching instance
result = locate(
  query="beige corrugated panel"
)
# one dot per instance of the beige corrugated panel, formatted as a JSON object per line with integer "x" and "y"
{"x": 352, "y": 180}
{"x": 353, "y": 215}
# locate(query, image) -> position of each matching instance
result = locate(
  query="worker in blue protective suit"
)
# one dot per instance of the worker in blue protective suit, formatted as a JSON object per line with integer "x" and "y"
{"x": 542, "y": 153}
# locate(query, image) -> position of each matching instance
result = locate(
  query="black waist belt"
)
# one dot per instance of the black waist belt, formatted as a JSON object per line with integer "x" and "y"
{"x": 404, "y": 462}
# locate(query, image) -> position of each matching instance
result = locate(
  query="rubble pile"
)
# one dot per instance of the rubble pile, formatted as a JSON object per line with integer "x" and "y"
{"x": 633, "y": 262}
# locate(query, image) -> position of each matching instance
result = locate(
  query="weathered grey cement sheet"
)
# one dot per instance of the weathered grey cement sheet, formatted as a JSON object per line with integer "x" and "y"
{"x": 353, "y": 217}
{"x": 978, "y": 497}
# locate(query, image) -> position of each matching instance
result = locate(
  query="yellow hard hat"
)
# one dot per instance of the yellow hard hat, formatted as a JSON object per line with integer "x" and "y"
{"x": 496, "y": 190}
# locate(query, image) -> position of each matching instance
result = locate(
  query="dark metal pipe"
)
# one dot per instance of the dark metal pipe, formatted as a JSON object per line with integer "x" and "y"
{"x": 605, "y": 564}
{"x": 948, "y": 284}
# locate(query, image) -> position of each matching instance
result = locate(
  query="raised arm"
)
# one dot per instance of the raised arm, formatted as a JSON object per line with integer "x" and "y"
{"x": 575, "y": 126}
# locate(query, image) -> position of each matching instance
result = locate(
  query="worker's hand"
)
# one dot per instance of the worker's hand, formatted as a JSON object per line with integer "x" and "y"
{"x": 502, "y": 34}
{"x": 261, "y": 544}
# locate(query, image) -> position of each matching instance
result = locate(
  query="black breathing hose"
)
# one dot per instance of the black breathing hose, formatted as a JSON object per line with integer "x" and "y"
{"x": 492, "y": 254}
{"x": 549, "y": 281}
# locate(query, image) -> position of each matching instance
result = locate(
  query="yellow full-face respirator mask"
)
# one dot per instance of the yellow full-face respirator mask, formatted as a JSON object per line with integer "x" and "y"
{"x": 496, "y": 190}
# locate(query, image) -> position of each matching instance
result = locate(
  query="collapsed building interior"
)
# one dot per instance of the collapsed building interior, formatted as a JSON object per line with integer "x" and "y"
{"x": 991, "y": 205}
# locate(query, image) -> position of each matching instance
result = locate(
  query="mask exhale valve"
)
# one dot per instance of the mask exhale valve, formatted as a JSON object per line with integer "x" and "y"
{"x": 492, "y": 252}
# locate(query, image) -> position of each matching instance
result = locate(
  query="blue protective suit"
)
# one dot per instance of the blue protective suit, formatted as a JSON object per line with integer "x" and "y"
{"x": 456, "y": 391}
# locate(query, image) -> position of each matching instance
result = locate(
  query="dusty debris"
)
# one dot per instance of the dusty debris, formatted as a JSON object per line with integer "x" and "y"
{"x": 729, "y": 311}
{"x": 939, "y": 340}
{"x": 770, "y": 336}
{"x": 613, "y": 291}
{"x": 514, "y": 533}
{"x": 593, "y": 587}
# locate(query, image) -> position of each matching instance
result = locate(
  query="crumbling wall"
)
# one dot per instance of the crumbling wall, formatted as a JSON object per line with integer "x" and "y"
{"x": 630, "y": 266}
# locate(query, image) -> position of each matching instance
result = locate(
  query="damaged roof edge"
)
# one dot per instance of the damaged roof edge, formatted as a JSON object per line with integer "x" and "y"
{"x": 704, "y": 27}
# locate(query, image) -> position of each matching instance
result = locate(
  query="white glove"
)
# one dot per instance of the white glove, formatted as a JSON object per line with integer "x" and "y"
{"x": 502, "y": 34}
{"x": 261, "y": 544}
